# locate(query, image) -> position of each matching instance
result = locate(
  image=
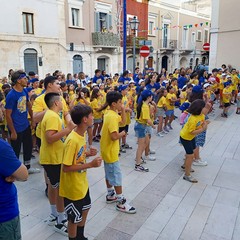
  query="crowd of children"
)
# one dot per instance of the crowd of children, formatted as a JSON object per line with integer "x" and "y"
{"x": 64, "y": 114}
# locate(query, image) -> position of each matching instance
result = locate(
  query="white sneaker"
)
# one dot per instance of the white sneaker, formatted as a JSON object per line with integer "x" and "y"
{"x": 152, "y": 151}
{"x": 159, "y": 134}
{"x": 123, "y": 206}
{"x": 199, "y": 162}
{"x": 149, "y": 158}
{"x": 33, "y": 170}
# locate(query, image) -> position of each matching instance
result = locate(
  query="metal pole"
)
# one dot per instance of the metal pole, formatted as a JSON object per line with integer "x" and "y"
{"x": 134, "y": 51}
{"x": 124, "y": 34}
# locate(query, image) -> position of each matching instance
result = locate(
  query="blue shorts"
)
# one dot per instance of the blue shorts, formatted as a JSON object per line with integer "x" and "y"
{"x": 169, "y": 113}
{"x": 149, "y": 130}
{"x": 140, "y": 130}
{"x": 113, "y": 173}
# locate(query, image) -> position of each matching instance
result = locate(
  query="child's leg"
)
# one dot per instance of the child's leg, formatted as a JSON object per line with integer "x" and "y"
{"x": 171, "y": 119}
{"x": 140, "y": 149}
{"x": 196, "y": 153}
{"x": 60, "y": 208}
{"x": 147, "y": 148}
{"x": 81, "y": 225}
{"x": 188, "y": 164}
{"x": 166, "y": 121}
{"x": 94, "y": 129}
{"x": 72, "y": 230}
{"x": 160, "y": 124}
{"x": 99, "y": 128}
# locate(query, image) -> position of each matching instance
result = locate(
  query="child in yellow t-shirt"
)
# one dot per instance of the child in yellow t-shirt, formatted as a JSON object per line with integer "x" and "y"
{"x": 161, "y": 107}
{"x": 52, "y": 137}
{"x": 109, "y": 146}
{"x": 195, "y": 124}
{"x": 73, "y": 181}
{"x": 96, "y": 104}
{"x": 226, "y": 98}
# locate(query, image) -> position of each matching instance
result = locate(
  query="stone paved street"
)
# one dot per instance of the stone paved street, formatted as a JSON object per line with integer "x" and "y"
{"x": 167, "y": 206}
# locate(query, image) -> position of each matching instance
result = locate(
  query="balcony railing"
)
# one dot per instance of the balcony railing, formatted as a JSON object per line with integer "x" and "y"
{"x": 105, "y": 39}
{"x": 184, "y": 46}
{"x": 168, "y": 44}
{"x": 130, "y": 41}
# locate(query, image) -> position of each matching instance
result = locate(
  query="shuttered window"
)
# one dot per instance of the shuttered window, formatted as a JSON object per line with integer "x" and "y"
{"x": 30, "y": 60}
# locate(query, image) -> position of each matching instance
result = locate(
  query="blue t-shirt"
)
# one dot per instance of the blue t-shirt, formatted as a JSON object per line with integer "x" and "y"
{"x": 68, "y": 82}
{"x": 8, "y": 192}
{"x": 124, "y": 80}
{"x": 153, "y": 87}
{"x": 181, "y": 82}
{"x": 98, "y": 80}
{"x": 17, "y": 102}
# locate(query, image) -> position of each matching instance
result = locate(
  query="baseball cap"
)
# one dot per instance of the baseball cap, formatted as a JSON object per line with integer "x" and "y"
{"x": 197, "y": 89}
{"x": 140, "y": 81}
{"x": 122, "y": 88}
{"x": 34, "y": 80}
{"x": 206, "y": 85}
{"x": 184, "y": 106}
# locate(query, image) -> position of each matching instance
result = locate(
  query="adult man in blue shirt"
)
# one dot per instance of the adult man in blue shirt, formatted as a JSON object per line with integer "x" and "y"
{"x": 98, "y": 78}
{"x": 17, "y": 109}
{"x": 11, "y": 169}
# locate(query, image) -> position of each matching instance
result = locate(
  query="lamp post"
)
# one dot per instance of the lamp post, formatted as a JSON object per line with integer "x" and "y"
{"x": 134, "y": 23}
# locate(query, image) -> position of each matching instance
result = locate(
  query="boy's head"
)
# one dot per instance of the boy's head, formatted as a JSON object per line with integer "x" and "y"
{"x": 51, "y": 83}
{"x": 53, "y": 99}
{"x": 114, "y": 99}
{"x": 19, "y": 77}
{"x": 82, "y": 114}
{"x": 196, "y": 107}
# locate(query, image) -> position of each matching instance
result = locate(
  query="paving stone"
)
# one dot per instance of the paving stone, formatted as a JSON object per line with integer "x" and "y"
{"x": 112, "y": 234}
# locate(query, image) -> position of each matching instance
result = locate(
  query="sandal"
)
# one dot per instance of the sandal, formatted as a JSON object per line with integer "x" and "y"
{"x": 190, "y": 179}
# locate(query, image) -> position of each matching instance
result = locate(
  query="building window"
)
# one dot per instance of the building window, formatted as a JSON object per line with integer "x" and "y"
{"x": 28, "y": 23}
{"x": 150, "y": 27}
{"x": 103, "y": 22}
{"x": 75, "y": 17}
{"x": 193, "y": 37}
{"x": 206, "y": 33}
{"x": 199, "y": 35}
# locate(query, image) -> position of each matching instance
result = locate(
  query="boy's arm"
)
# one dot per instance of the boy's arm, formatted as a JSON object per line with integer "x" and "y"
{"x": 96, "y": 162}
{"x": 53, "y": 135}
{"x": 123, "y": 115}
{"x": 117, "y": 135}
{"x": 10, "y": 124}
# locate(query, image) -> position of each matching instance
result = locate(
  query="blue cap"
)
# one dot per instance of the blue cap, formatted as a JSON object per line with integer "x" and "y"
{"x": 227, "y": 84}
{"x": 184, "y": 106}
{"x": 34, "y": 80}
{"x": 122, "y": 87}
{"x": 197, "y": 89}
{"x": 146, "y": 93}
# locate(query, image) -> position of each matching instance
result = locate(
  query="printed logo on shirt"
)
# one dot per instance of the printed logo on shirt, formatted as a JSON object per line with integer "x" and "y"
{"x": 81, "y": 156}
{"x": 22, "y": 104}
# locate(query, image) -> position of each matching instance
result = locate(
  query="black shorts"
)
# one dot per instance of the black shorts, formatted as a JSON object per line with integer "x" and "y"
{"x": 74, "y": 209}
{"x": 38, "y": 142}
{"x": 217, "y": 91}
{"x": 189, "y": 145}
{"x": 124, "y": 129}
{"x": 227, "y": 105}
{"x": 53, "y": 174}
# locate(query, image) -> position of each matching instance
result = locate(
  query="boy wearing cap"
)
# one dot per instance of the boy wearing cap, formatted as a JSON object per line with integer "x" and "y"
{"x": 227, "y": 94}
{"x": 35, "y": 84}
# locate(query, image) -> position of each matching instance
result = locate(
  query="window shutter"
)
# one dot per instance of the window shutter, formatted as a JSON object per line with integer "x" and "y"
{"x": 97, "y": 22}
{"x": 109, "y": 21}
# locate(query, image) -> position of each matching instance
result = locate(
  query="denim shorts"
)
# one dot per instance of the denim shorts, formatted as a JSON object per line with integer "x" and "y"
{"x": 140, "y": 130}
{"x": 160, "y": 112}
{"x": 11, "y": 230}
{"x": 169, "y": 113}
{"x": 113, "y": 173}
{"x": 149, "y": 130}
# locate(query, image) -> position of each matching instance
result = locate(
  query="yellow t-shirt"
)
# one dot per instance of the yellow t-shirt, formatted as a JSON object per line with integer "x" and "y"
{"x": 183, "y": 97}
{"x": 51, "y": 153}
{"x": 39, "y": 105}
{"x": 38, "y": 91}
{"x": 125, "y": 102}
{"x": 162, "y": 102}
{"x": 227, "y": 95}
{"x": 95, "y": 104}
{"x": 74, "y": 185}
{"x": 221, "y": 84}
{"x": 110, "y": 148}
{"x": 194, "y": 81}
{"x": 235, "y": 80}
{"x": 169, "y": 97}
{"x": 193, "y": 123}
{"x": 175, "y": 87}
{"x": 81, "y": 101}
{"x": 145, "y": 114}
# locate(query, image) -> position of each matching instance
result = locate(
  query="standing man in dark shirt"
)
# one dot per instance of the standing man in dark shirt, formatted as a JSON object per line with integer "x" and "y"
{"x": 17, "y": 109}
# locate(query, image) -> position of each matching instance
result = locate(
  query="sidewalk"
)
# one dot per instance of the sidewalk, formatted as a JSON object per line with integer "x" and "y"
{"x": 167, "y": 206}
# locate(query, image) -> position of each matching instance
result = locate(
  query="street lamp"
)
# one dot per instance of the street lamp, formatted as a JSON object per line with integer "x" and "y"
{"x": 134, "y": 23}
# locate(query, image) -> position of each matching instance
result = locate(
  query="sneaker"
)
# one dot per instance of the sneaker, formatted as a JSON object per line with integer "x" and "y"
{"x": 125, "y": 207}
{"x": 143, "y": 161}
{"x": 190, "y": 179}
{"x": 122, "y": 150}
{"x": 159, "y": 134}
{"x": 140, "y": 168}
{"x": 111, "y": 198}
{"x": 33, "y": 157}
{"x": 33, "y": 170}
{"x": 166, "y": 129}
{"x": 126, "y": 146}
{"x": 149, "y": 158}
{"x": 152, "y": 151}
{"x": 95, "y": 139}
{"x": 199, "y": 162}
{"x": 223, "y": 115}
{"x": 62, "y": 228}
{"x": 170, "y": 127}
{"x": 51, "y": 220}
{"x": 164, "y": 132}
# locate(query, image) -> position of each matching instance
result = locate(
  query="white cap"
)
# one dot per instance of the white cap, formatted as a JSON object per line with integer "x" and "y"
{"x": 206, "y": 85}
{"x": 224, "y": 74}
{"x": 140, "y": 81}
{"x": 94, "y": 84}
{"x": 165, "y": 81}
{"x": 228, "y": 76}
{"x": 131, "y": 82}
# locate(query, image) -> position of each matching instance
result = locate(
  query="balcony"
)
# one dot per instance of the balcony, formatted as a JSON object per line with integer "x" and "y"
{"x": 186, "y": 48}
{"x": 168, "y": 45}
{"x": 130, "y": 41}
{"x": 105, "y": 40}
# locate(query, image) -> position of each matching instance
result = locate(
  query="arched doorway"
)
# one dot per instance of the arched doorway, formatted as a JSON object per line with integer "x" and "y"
{"x": 77, "y": 64}
{"x": 183, "y": 62}
{"x": 165, "y": 62}
{"x": 30, "y": 60}
{"x": 197, "y": 61}
{"x": 102, "y": 63}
